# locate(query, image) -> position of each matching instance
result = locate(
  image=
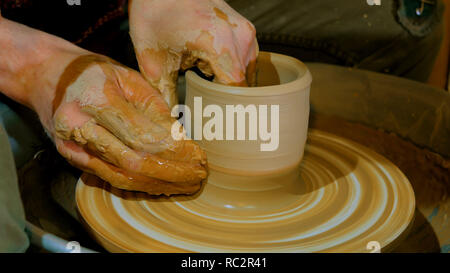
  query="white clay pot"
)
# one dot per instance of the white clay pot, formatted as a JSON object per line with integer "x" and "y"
{"x": 282, "y": 81}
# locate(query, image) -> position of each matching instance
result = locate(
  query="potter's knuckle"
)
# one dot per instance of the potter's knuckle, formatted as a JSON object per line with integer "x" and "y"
{"x": 60, "y": 126}
{"x": 61, "y": 150}
{"x": 251, "y": 28}
{"x": 226, "y": 31}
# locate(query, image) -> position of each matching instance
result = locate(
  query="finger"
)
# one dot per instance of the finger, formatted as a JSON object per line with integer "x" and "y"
{"x": 197, "y": 58}
{"x": 160, "y": 69}
{"x": 148, "y": 101}
{"x": 132, "y": 110}
{"x": 251, "y": 66}
{"x": 243, "y": 38}
{"x": 225, "y": 61}
{"x": 246, "y": 46}
{"x": 131, "y": 126}
{"x": 97, "y": 94}
{"x": 119, "y": 178}
{"x": 67, "y": 118}
{"x": 106, "y": 146}
{"x": 143, "y": 96}
{"x": 228, "y": 69}
{"x": 130, "y": 182}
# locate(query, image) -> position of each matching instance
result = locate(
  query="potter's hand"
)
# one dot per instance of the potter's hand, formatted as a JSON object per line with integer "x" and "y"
{"x": 104, "y": 118}
{"x": 173, "y": 34}
{"x": 109, "y": 121}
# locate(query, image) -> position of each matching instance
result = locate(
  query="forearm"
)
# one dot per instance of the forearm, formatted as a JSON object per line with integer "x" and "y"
{"x": 31, "y": 62}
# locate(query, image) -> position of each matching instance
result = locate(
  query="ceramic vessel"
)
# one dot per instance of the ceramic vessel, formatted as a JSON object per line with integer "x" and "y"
{"x": 282, "y": 82}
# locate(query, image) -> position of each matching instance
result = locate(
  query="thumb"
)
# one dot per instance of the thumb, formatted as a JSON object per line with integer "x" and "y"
{"x": 160, "y": 69}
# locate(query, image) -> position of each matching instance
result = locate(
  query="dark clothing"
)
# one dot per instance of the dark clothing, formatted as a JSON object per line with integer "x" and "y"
{"x": 391, "y": 38}
{"x": 63, "y": 18}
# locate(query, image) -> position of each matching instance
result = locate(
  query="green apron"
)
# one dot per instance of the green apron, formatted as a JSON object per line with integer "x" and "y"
{"x": 12, "y": 217}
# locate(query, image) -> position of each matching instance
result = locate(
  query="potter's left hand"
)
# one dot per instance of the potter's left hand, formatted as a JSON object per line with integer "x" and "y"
{"x": 104, "y": 118}
{"x": 173, "y": 34}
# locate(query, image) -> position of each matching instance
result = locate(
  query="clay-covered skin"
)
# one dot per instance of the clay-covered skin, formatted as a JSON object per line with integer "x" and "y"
{"x": 169, "y": 35}
{"x": 110, "y": 122}
{"x": 104, "y": 118}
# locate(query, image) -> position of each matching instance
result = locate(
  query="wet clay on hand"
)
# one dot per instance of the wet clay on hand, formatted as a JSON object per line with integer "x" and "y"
{"x": 169, "y": 35}
{"x": 110, "y": 122}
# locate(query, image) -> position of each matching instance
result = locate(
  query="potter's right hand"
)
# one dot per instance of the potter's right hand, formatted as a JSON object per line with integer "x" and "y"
{"x": 172, "y": 34}
{"x": 104, "y": 118}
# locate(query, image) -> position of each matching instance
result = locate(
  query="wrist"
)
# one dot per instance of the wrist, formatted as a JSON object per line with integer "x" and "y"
{"x": 31, "y": 62}
{"x": 41, "y": 81}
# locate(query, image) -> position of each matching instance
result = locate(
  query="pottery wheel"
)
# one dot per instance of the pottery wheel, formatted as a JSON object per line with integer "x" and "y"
{"x": 341, "y": 197}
